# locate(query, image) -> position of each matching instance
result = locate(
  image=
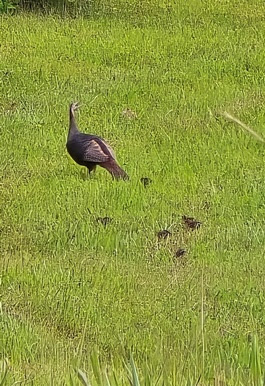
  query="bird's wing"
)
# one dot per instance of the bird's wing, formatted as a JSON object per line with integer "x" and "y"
{"x": 94, "y": 152}
{"x": 110, "y": 150}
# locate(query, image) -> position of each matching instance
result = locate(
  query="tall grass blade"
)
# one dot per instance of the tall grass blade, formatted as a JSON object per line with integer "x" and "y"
{"x": 202, "y": 323}
{"x": 244, "y": 126}
{"x": 83, "y": 378}
{"x": 107, "y": 381}
{"x": 96, "y": 367}
{"x": 135, "y": 378}
{"x": 255, "y": 365}
{"x": 4, "y": 370}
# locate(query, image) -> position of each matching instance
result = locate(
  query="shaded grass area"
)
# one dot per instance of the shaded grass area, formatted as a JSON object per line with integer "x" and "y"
{"x": 73, "y": 290}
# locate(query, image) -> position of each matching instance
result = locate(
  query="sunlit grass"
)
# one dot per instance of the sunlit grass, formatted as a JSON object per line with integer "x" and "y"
{"x": 113, "y": 301}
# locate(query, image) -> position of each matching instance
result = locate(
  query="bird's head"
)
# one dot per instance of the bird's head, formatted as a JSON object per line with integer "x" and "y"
{"x": 74, "y": 106}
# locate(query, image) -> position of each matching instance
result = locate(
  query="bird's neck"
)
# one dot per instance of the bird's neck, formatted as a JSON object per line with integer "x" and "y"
{"x": 73, "y": 129}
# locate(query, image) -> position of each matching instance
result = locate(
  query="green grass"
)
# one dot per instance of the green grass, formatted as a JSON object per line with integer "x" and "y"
{"x": 78, "y": 295}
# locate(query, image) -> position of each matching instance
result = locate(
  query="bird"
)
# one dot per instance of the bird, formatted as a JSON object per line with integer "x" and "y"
{"x": 91, "y": 150}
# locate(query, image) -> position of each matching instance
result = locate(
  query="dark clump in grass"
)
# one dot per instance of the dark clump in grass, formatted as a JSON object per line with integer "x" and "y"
{"x": 104, "y": 220}
{"x": 180, "y": 252}
{"x": 191, "y": 222}
{"x": 146, "y": 181}
{"x": 164, "y": 234}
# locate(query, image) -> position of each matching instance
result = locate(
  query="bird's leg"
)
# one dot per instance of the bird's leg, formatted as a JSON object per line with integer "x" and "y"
{"x": 84, "y": 174}
{"x": 91, "y": 169}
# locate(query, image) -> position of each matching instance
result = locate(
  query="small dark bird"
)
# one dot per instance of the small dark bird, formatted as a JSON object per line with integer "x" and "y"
{"x": 164, "y": 234}
{"x": 90, "y": 150}
{"x": 191, "y": 223}
{"x": 146, "y": 181}
{"x": 180, "y": 252}
{"x": 104, "y": 220}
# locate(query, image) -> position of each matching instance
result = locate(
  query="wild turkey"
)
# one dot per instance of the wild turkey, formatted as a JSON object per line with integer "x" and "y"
{"x": 90, "y": 150}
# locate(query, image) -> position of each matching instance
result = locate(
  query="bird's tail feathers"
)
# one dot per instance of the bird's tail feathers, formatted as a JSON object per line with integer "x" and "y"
{"x": 115, "y": 170}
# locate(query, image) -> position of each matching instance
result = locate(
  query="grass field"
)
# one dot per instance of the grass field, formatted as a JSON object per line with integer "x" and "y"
{"x": 79, "y": 295}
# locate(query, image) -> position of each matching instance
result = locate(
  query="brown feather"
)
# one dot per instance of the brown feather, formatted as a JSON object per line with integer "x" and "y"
{"x": 114, "y": 169}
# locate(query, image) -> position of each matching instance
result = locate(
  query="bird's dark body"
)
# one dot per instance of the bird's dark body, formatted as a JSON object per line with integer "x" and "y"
{"x": 77, "y": 146}
{"x": 90, "y": 150}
